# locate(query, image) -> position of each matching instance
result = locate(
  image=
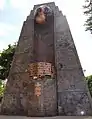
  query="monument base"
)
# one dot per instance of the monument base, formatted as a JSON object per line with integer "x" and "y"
{"x": 57, "y": 117}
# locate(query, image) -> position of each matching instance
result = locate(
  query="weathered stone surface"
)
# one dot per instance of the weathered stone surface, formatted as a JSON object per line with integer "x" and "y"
{"x": 50, "y": 97}
{"x": 66, "y": 93}
{"x": 20, "y": 62}
{"x": 46, "y": 104}
{"x": 72, "y": 88}
{"x": 74, "y": 102}
{"x": 69, "y": 80}
{"x": 15, "y": 99}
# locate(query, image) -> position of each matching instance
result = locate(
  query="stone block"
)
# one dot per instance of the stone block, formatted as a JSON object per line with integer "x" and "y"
{"x": 20, "y": 62}
{"x": 73, "y": 103}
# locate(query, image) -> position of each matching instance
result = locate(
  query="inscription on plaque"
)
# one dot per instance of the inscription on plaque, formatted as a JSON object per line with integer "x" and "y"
{"x": 38, "y": 89}
{"x": 40, "y": 69}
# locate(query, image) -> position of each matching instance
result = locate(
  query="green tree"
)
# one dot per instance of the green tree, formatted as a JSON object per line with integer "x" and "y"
{"x": 89, "y": 81}
{"x": 88, "y": 13}
{"x": 6, "y": 57}
{"x": 2, "y": 88}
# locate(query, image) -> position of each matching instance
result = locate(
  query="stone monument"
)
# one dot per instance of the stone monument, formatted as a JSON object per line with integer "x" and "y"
{"x": 46, "y": 77}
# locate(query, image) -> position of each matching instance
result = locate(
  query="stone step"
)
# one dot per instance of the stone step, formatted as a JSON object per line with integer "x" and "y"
{"x": 57, "y": 117}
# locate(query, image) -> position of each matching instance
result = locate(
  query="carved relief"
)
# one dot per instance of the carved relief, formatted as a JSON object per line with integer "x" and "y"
{"x": 41, "y": 14}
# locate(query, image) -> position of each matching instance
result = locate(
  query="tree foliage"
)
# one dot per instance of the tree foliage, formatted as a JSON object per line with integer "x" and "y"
{"x": 89, "y": 81}
{"x": 2, "y": 88}
{"x": 6, "y": 57}
{"x": 88, "y": 13}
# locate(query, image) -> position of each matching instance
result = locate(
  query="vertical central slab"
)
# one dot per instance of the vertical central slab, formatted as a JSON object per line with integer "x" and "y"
{"x": 42, "y": 101}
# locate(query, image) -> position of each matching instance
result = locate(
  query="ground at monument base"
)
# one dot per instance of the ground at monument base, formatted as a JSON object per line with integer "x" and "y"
{"x": 58, "y": 117}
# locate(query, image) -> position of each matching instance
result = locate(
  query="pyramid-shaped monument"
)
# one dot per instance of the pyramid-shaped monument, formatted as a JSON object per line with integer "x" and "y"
{"x": 46, "y": 77}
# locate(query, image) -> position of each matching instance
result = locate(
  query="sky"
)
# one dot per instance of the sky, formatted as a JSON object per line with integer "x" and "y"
{"x": 14, "y": 12}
